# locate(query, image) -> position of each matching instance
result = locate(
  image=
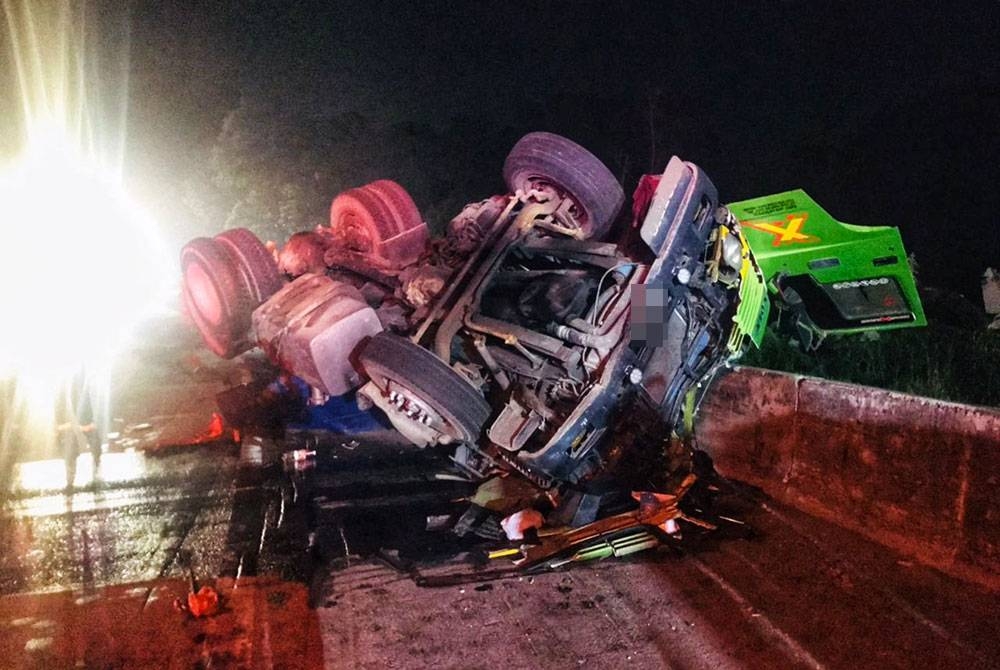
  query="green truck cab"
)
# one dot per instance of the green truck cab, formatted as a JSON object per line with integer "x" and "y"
{"x": 833, "y": 277}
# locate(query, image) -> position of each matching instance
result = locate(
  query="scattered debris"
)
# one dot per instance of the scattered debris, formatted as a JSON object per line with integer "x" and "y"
{"x": 182, "y": 430}
{"x": 604, "y": 538}
{"x": 299, "y": 459}
{"x": 518, "y": 524}
{"x": 200, "y": 602}
{"x": 204, "y": 603}
{"x": 440, "y": 522}
{"x": 214, "y": 431}
{"x": 506, "y": 495}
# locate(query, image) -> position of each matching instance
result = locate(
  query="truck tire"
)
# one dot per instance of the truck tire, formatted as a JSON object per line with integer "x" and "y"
{"x": 358, "y": 221}
{"x": 395, "y": 199}
{"x": 256, "y": 265}
{"x": 396, "y": 363}
{"x": 546, "y": 160}
{"x": 216, "y": 297}
{"x": 379, "y": 219}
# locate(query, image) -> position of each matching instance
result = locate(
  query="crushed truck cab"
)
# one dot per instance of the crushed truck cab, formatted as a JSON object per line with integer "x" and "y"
{"x": 834, "y": 277}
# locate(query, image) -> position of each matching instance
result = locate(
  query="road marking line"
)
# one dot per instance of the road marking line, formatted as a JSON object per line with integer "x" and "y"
{"x": 797, "y": 651}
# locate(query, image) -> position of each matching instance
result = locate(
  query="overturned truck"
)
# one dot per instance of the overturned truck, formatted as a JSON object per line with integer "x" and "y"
{"x": 521, "y": 335}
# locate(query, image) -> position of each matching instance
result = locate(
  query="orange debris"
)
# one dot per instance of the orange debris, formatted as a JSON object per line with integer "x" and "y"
{"x": 203, "y": 603}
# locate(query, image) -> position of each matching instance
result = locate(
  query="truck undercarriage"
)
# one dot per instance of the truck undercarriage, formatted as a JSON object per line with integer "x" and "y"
{"x": 542, "y": 320}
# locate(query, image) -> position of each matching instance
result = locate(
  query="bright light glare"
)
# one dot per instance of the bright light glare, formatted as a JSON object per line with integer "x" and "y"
{"x": 50, "y": 474}
{"x": 82, "y": 264}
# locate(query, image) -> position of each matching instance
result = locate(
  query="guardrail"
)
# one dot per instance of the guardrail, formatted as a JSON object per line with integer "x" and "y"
{"x": 918, "y": 475}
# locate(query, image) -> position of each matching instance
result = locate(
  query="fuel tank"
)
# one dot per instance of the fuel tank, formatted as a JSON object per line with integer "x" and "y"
{"x": 312, "y": 328}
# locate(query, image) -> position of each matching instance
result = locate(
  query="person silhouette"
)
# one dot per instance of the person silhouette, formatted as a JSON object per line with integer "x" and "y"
{"x": 75, "y": 426}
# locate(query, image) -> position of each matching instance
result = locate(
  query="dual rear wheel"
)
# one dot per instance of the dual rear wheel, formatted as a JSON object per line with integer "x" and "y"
{"x": 381, "y": 221}
{"x": 225, "y": 279}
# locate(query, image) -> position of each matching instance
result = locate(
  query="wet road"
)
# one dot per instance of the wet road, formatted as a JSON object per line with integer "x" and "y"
{"x": 87, "y": 577}
{"x": 147, "y": 514}
{"x": 140, "y": 518}
{"x": 796, "y": 593}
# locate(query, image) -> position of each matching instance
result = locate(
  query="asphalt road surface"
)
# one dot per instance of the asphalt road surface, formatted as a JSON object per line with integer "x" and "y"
{"x": 796, "y": 592}
{"x": 333, "y": 567}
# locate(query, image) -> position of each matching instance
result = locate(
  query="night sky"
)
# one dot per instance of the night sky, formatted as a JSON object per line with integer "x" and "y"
{"x": 886, "y": 113}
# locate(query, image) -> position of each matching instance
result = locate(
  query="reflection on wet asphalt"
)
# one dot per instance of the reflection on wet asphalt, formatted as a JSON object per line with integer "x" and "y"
{"x": 223, "y": 512}
{"x": 143, "y": 517}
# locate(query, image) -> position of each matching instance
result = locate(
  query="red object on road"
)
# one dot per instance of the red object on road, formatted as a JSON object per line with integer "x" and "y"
{"x": 203, "y": 603}
{"x": 213, "y": 432}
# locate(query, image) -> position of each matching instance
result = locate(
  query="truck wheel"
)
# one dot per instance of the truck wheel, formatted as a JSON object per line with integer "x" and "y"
{"x": 215, "y": 296}
{"x": 545, "y": 161}
{"x": 256, "y": 265}
{"x": 379, "y": 219}
{"x": 395, "y": 199}
{"x": 421, "y": 381}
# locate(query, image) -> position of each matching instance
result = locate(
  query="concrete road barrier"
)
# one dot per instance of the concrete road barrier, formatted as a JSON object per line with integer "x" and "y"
{"x": 918, "y": 475}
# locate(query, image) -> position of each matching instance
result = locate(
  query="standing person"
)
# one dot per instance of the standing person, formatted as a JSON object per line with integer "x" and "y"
{"x": 75, "y": 426}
